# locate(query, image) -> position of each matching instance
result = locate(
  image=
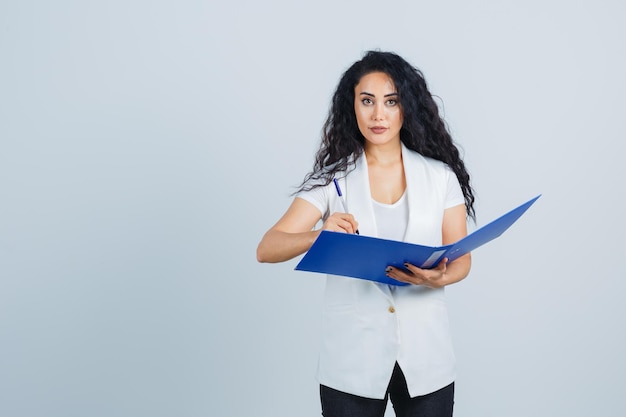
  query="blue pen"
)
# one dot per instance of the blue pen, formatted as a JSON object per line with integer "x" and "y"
{"x": 343, "y": 201}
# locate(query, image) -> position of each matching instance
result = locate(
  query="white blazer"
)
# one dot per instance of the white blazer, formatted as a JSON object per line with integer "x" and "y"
{"x": 366, "y": 328}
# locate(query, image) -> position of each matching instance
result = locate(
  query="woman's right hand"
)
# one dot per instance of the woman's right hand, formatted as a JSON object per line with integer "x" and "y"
{"x": 341, "y": 222}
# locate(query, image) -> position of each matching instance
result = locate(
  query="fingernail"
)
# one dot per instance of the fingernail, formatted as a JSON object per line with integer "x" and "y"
{"x": 388, "y": 269}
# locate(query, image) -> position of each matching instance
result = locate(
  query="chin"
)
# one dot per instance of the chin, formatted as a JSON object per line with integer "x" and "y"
{"x": 381, "y": 140}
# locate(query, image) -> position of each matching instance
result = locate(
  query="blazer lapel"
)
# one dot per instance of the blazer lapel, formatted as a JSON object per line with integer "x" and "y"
{"x": 359, "y": 197}
{"x": 359, "y": 201}
{"x": 413, "y": 191}
{"x": 423, "y": 198}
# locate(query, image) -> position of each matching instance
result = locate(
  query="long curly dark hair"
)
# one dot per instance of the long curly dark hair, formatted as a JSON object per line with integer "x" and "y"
{"x": 423, "y": 130}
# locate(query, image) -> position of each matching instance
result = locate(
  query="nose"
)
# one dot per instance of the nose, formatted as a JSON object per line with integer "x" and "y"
{"x": 378, "y": 112}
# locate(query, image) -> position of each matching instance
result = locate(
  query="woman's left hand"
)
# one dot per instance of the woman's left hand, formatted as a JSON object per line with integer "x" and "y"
{"x": 432, "y": 278}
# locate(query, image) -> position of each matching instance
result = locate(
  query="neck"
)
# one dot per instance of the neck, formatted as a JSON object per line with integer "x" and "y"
{"x": 384, "y": 154}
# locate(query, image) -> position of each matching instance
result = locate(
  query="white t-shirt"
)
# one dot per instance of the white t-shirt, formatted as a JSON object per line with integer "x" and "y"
{"x": 391, "y": 219}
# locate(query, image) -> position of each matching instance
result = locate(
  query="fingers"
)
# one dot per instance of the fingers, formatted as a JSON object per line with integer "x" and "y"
{"x": 405, "y": 275}
{"x": 341, "y": 222}
{"x": 417, "y": 276}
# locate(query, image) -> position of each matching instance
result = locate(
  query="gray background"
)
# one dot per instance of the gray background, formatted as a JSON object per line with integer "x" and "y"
{"x": 146, "y": 146}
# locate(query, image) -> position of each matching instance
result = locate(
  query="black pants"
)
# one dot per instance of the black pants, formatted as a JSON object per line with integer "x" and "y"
{"x": 436, "y": 404}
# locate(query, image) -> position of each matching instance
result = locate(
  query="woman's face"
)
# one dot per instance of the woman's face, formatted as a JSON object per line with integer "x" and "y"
{"x": 378, "y": 111}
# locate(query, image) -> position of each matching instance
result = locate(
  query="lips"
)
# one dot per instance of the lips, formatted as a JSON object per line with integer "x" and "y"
{"x": 378, "y": 129}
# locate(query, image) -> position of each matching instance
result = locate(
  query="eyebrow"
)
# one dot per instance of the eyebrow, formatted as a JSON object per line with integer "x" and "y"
{"x": 372, "y": 95}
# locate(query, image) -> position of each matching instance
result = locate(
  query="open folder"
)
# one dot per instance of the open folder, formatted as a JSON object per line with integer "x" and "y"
{"x": 366, "y": 257}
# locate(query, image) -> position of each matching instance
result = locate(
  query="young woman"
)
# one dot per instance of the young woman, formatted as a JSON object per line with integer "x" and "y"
{"x": 403, "y": 179}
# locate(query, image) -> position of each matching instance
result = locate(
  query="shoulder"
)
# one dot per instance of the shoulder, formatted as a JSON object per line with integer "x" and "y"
{"x": 318, "y": 193}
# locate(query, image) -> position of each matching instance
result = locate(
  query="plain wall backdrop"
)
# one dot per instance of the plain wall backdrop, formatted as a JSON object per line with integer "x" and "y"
{"x": 146, "y": 146}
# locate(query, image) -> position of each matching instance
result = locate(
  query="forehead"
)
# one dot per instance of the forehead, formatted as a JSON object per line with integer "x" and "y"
{"x": 375, "y": 82}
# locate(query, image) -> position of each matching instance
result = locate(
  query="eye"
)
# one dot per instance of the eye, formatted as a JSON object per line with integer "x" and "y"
{"x": 392, "y": 102}
{"x": 367, "y": 101}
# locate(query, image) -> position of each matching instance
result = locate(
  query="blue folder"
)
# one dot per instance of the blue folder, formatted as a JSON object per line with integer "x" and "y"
{"x": 367, "y": 257}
